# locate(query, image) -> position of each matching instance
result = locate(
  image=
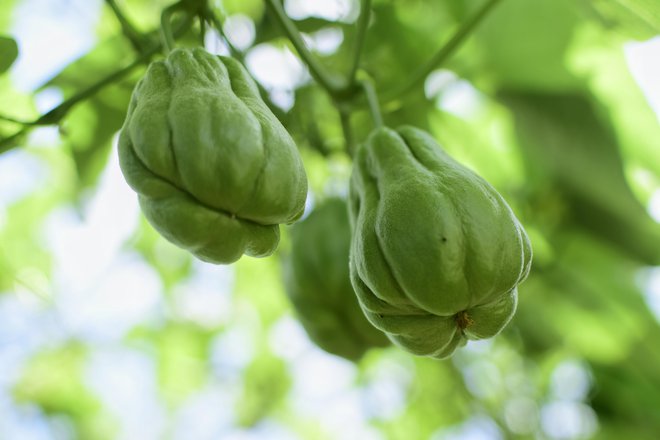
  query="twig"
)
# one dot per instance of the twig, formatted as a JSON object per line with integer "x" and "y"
{"x": 55, "y": 115}
{"x": 345, "y": 119}
{"x": 166, "y": 34}
{"x": 445, "y": 52}
{"x": 363, "y": 22}
{"x": 331, "y": 84}
{"x": 372, "y": 101}
{"x": 135, "y": 37}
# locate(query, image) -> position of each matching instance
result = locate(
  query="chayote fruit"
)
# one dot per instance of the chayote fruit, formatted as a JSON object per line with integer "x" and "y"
{"x": 215, "y": 171}
{"x": 436, "y": 253}
{"x": 316, "y": 278}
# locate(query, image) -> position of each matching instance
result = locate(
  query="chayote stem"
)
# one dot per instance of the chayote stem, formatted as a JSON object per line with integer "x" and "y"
{"x": 167, "y": 37}
{"x": 446, "y": 51}
{"x": 372, "y": 102}
{"x": 136, "y": 38}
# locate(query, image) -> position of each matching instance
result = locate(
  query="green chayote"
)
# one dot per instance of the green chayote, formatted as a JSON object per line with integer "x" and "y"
{"x": 215, "y": 171}
{"x": 437, "y": 253}
{"x": 318, "y": 283}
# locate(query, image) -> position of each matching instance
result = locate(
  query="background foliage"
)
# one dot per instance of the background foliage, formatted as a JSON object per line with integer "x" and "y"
{"x": 107, "y": 331}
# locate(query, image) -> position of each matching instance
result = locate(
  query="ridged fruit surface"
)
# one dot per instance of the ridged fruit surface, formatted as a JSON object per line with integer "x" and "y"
{"x": 437, "y": 254}
{"x": 215, "y": 171}
{"x": 317, "y": 281}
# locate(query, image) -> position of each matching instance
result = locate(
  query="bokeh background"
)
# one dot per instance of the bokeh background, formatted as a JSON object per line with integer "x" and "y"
{"x": 109, "y": 332}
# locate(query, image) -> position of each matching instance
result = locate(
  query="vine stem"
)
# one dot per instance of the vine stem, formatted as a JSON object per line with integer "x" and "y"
{"x": 15, "y": 121}
{"x": 372, "y": 101}
{"x": 331, "y": 84}
{"x": 55, "y": 115}
{"x": 166, "y": 29}
{"x": 447, "y": 50}
{"x": 363, "y": 22}
{"x": 127, "y": 27}
{"x": 211, "y": 16}
{"x": 345, "y": 119}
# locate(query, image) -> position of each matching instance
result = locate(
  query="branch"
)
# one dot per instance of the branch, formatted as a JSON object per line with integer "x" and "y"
{"x": 211, "y": 16}
{"x": 446, "y": 51}
{"x": 332, "y": 84}
{"x": 345, "y": 119}
{"x": 166, "y": 34}
{"x": 132, "y": 34}
{"x": 372, "y": 101}
{"x": 55, "y": 115}
{"x": 363, "y": 22}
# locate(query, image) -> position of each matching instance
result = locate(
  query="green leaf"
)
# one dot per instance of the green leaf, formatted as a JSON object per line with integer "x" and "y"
{"x": 636, "y": 18}
{"x": 88, "y": 131}
{"x": 569, "y": 148}
{"x": 314, "y": 122}
{"x": 89, "y": 127}
{"x": 54, "y": 380}
{"x": 266, "y": 382}
{"x": 181, "y": 351}
{"x": 523, "y": 45}
{"x": 8, "y": 53}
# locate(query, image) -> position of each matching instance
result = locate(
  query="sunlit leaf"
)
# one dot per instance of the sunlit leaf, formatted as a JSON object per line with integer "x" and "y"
{"x": 265, "y": 385}
{"x": 568, "y": 146}
{"x": 636, "y": 18}
{"x": 8, "y": 53}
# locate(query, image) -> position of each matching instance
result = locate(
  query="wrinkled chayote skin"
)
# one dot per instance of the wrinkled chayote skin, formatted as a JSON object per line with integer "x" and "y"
{"x": 316, "y": 278}
{"x": 215, "y": 171}
{"x": 436, "y": 252}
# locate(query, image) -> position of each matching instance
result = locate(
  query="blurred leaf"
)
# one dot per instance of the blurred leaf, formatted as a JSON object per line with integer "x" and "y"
{"x": 54, "y": 380}
{"x": 89, "y": 127}
{"x": 402, "y": 37}
{"x": 6, "y": 14}
{"x": 252, "y": 8}
{"x": 636, "y": 18}
{"x": 21, "y": 223}
{"x": 413, "y": 109}
{"x": 437, "y": 399}
{"x": 88, "y": 131}
{"x": 182, "y": 354}
{"x": 568, "y": 146}
{"x": 524, "y": 43}
{"x": 313, "y": 121}
{"x": 266, "y": 383}
{"x": 171, "y": 262}
{"x": 480, "y": 142}
{"x": 617, "y": 319}
{"x": 602, "y": 61}
{"x": 265, "y": 292}
{"x": 628, "y": 393}
{"x": 8, "y": 53}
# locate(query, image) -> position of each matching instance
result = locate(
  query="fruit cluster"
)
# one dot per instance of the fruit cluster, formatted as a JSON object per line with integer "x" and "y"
{"x": 433, "y": 254}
